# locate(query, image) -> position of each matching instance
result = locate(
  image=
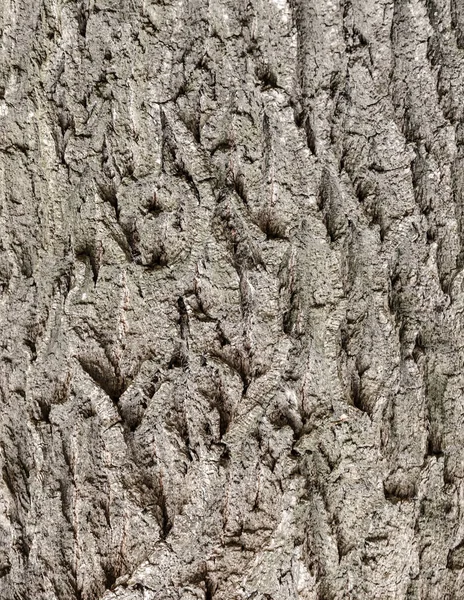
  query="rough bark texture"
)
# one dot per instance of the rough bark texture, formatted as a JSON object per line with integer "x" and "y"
{"x": 232, "y": 299}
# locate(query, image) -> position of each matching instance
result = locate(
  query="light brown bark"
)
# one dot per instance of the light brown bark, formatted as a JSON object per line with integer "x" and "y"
{"x": 231, "y": 303}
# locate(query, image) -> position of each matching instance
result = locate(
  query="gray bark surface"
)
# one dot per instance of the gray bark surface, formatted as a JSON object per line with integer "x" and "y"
{"x": 231, "y": 299}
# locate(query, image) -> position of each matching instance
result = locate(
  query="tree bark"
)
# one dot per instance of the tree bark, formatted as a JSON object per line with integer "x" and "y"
{"x": 232, "y": 299}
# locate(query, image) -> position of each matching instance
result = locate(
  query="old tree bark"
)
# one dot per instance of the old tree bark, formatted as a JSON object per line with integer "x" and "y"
{"x": 232, "y": 299}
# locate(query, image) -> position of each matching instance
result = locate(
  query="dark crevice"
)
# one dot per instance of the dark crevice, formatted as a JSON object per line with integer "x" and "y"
{"x": 266, "y": 75}
{"x": 82, "y": 18}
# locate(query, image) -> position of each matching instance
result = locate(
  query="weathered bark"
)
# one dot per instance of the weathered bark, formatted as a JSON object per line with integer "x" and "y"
{"x": 232, "y": 299}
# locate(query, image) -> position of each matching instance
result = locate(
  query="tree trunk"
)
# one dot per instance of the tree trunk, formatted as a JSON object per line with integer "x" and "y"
{"x": 232, "y": 299}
